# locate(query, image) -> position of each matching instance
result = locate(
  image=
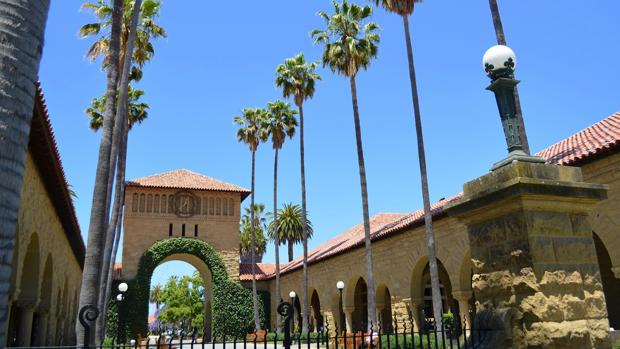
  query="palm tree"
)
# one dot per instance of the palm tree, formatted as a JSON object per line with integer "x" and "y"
{"x": 404, "y": 8}
{"x": 290, "y": 227}
{"x": 245, "y": 235}
{"x": 350, "y": 45}
{"x": 501, "y": 40}
{"x": 297, "y": 79}
{"x": 23, "y": 25}
{"x": 89, "y": 292}
{"x": 155, "y": 296}
{"x": 282, "y": 123}
{"x": 252, "y": 132}
{"x": 137, "y": 111}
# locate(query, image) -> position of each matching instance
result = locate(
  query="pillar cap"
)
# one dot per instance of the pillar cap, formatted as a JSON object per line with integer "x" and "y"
{"x": 462, "y": 295}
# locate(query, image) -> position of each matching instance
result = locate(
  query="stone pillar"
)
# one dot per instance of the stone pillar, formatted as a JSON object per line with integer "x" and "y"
{"x": 348, "y": 315}
{"x": 535, "y": 265}
{"x": 41, "y": 338}
{"x": 26, "y": 315}
{"x": 414, "y": 306}
{"x": 616, "y": 271}
{"x": 463, "y": 298}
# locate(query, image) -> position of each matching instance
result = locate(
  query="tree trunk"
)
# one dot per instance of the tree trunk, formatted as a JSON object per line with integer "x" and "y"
{"x": 428, "y": 220}
{"x": 22, "y": 27}
{"x": 290, "y": 250}
{"x": 276, "y": 235}
{"x": 92, "y": 263}
{"x": 372, "y": 309}
{"x": 304, "y": 291}
{"x": 253, "y": 252}
{"x": 108, "y": 268}
{"x": 501, "y": 40}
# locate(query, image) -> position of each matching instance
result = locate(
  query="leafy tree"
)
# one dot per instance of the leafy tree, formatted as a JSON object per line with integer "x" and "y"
{"x": 290, "y": 227}
{"x": 183, "y": 302}
{"x": 252, "y": 131}
{"x": 245, "y": 234}
{"x": 23, "y": 29}
{"x": 282, "y": 124}
{"x": 404, "y": 8}
{"x": 350, "y": 43}
{"x": 297, "y": 79}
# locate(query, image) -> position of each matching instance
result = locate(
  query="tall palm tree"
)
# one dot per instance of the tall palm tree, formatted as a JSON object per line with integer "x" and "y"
{"x": 245, "y": 235}
{"x": 23, "y": 24}
{"x": 137, "y": 111}
{"x": 252, "y": 131}
{"x": 89, "y": 292}
{"x": 404, "y": 8}
{"x": 290, "y": 227}
{"x": 501, "y": 40}
{"x": 297, "y": 79}
{"x": 350, "y": 42}
{"x": 282, "y": 123}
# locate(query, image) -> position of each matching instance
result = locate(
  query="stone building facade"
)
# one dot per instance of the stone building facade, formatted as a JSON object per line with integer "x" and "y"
{"x": 399, "y": 250}
{"x": 49, "y": 251}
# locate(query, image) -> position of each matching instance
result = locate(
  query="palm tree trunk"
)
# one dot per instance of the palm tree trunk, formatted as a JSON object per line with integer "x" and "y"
{"x": 276, "y": 234}
{"x": 119, "y": 193}
{"x": 290, "y": 250}
{"x": 501, "y": 40}
{"x": 253, "y": 252}
{"x": 108, "y": 286}
{"x": 23, "y": 27}
{"x": 304, "y": 291}
{"x": 372, "y": 309}
{"x": 92, "y": 263}
{"x": 428, "y": 220}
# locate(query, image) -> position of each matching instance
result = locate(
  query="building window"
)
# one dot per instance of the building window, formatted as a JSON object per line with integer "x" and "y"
{"x": 195, "y": 230}
{"x": 231, "y": 207}
{"x": 225, "y": 207}
{"x": 205, "y": 205}
{"x": 156, "y": 204}
{"x": 149, "y": 203}
{"x": 170, "y": 229}
{"x": 183, "y": 229}
{"x": 211, "y": 206}
{"x": 218, "y": 207}
{"x": 142, "y": 202}
{"x": 134, "y": 202}
{"x": 170, "y": 204}
{"x": 197, "y": 207}
{"x": 164, "y": 203}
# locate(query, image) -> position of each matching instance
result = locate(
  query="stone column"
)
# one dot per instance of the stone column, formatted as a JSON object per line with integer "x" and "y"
{"x": 348, "y": 315}
{"x": 536, "y": 273}
{"x": 26, "y": 315}
{"x": 463, "y": 298}
{"x": 616, "y": 271}
{"x": 41, "y": 338}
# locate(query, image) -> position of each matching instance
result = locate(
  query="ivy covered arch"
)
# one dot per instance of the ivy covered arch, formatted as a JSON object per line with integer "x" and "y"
{"x": 231, "y": 306}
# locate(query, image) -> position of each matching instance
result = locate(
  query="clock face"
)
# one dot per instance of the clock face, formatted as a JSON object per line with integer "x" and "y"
{"x": 184, "y": 204}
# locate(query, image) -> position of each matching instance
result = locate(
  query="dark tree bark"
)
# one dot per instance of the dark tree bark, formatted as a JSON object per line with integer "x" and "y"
{"x": 372, "y": 309}
{"x": 291, "y": 256}
{"x": 304, "y": 291}
{"x": 277, "y": 235}
{"x": 22, "y": 29}
{"x": 253, "y": 252}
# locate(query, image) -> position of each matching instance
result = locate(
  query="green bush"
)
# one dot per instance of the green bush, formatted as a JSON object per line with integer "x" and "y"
{"x": 232, "y": 305}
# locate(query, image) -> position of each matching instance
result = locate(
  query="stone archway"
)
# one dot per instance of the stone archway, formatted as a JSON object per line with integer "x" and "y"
{"x": 384, "y": 308}
{"x": 28, "y": 293}
{"x": 421, "y": 297}
{"x": 316, "y": 321}
{"x": 611, "y": 284}
{"x": 227, "y": 295}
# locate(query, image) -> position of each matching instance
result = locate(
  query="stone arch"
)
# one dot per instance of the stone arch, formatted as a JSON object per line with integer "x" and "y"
{"x": 316, "y": 316}
{"x": 227, "y": 294}
{"x": 29, "y": 285}
{"x": 337, "y": 314}
{"x": 607, "y": 231}
{"x": 384, "y": 308}
{"x": 611, "y": 285}
{"x": 420, "y": 287}
{"x": 356, "y": 304}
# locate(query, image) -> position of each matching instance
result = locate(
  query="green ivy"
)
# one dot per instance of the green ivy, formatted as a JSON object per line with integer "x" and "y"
{"x": 231, "y": 304}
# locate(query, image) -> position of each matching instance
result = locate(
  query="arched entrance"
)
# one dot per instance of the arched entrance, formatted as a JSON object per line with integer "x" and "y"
{"x": 421, "y": 291}
{"x": 24, "y": 319}
{"x": 384, "y": 308}
{"x": 611, "y": 285}
{"x": 316, "y": 319}
{"x": 226, "y": 295}
{"x": 360, "y": 304}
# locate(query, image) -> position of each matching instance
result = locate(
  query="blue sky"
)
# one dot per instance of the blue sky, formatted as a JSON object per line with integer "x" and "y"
{"x": 219, "y": 59}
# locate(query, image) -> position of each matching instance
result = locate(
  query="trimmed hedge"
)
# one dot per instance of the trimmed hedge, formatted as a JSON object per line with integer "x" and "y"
{"x": 231, "y": 304}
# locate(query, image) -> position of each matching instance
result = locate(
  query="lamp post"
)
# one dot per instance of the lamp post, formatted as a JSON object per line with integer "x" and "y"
{"x": 499, "y": 63}
{"x": 292, "y": 294}
{"x": 340, "y": 287}
{"x": 122, "y": 288}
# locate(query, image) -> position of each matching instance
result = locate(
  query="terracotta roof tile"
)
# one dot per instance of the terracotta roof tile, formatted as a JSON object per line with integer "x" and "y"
{"x": 586, "y": 144}
{"x": 589, "y": 143}
{"x": 263, "y": 271}
{"x": 185, "y": 179}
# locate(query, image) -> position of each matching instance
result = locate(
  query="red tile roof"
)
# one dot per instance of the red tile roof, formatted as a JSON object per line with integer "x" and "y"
{"x": 587, "y": 144}
{"x": 185, "y": 179}
{"x": 263, "y": 271}
{"x": 590, "y": 143}
{"x": 44, "y": 150}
